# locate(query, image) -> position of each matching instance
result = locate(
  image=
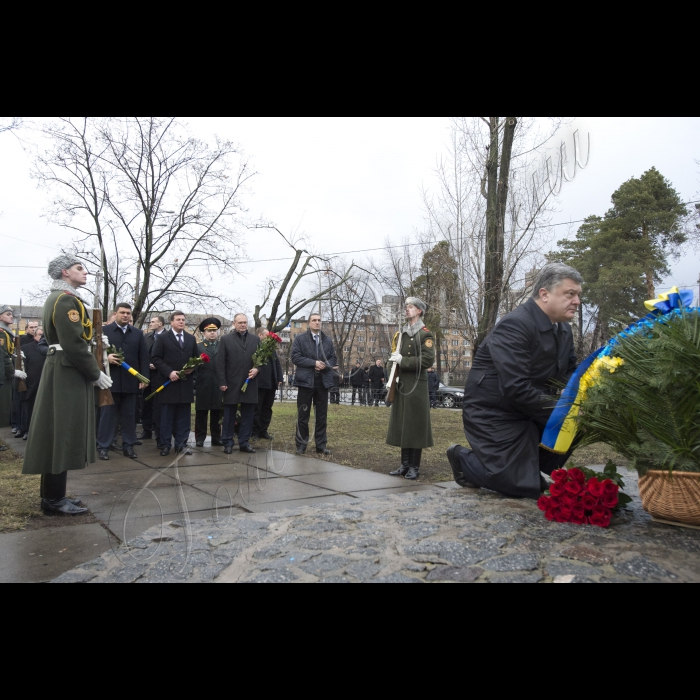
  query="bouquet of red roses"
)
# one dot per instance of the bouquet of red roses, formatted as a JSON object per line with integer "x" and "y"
{"x": 582, "y": 497}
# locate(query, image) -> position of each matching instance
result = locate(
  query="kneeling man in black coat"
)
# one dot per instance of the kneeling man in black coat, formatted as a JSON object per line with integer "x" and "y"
{"x": 513, "y": 388}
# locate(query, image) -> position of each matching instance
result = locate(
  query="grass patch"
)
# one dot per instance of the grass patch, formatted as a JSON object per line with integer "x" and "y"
{"x": 357, "y": 438}
{"x": 19, "y": 495}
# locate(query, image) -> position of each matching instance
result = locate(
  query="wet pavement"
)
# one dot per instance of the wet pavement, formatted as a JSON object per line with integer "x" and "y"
{"x": 274, "y": 517}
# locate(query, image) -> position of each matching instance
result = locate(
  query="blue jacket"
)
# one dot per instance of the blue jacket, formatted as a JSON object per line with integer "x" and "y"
{"x": 304, "y": 357}
{"x": 133, "y": 344}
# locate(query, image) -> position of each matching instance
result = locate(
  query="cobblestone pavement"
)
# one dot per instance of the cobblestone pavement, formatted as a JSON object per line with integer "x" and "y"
{"x": 441, "y": 535}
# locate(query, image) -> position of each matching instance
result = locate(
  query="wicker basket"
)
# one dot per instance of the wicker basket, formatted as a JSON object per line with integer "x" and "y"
{"x": 674, "y": 497}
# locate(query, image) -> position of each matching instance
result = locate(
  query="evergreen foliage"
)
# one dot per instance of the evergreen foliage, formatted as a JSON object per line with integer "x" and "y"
{"x": 649, "y": 409}
{"x": 624, "y": 255}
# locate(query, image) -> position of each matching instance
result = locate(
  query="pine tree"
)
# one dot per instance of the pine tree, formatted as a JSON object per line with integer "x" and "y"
{"x": 623, "y": 256}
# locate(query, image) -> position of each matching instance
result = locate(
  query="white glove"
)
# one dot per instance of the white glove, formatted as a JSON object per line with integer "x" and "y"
{"x": 104, "y": 382}
{"x": 24, "y": 357}
{"x": 20, "y": 375}
{"x": 396, "y": 357}
{"x": 105, "y": 341}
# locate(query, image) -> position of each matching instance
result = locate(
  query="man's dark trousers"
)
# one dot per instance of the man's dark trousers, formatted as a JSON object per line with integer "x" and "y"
{"x": 263, "y": 412}
{"x": 200, "y": 425}
{"x": 147, "y": 411}
{"x": 319, "y": 397}
{"x": 175, "y": 421}
{"x": 245, "y": 431}
{"x": 122, "y": 413}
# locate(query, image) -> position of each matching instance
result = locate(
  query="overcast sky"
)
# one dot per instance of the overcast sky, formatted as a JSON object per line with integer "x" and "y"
{"x": 349, "y": 183}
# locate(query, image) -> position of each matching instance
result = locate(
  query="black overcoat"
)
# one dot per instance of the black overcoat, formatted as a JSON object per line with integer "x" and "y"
{"x": 233, "y": 365}
{"x": 271, "y": 374}
{"x": 376, "y": 377}
{"x": 168, "y": 358}
{"x": 133, "y": 345}
{"x": 209, "y": 396}
{"x": 511, "y": 392}
{"x": 33, "y": 365}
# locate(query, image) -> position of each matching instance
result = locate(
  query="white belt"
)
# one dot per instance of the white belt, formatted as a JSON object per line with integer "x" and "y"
{"x": 57, "y": 348}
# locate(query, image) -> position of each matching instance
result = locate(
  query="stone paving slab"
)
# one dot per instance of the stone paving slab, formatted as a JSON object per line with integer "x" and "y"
{"x": 41, "y": 555}
{"x": 436, "y": 536}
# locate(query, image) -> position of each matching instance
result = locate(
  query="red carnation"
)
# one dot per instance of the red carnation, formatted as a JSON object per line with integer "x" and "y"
{"x": 574, "y": 488}
{"x": 205, "y": 358}
{"x": 577, "y": 475}
{"x": 543, "y": 504}
{"x": 610, "y": 488}
{"x": 557, "y": 489}
{"x": 589, "y": 503}
{"x": 595, "y": 488}
{"x": 560, "y": 476}
{"x": 275, "y": 337}
{"x": 611, "y": 501}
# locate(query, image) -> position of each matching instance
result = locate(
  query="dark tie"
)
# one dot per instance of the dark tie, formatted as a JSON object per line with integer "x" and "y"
{"x": 181, "y": 341}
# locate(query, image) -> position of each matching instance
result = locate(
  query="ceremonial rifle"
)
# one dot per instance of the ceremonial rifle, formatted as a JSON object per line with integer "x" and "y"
{"x": 394, "y": 376}
{"x": 104, "y": 396}
{"x": 21, "y": 384}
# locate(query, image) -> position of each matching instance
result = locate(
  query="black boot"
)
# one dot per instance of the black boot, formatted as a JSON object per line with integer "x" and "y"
{"x": 62, "y": 507}
{"x": 414, "y": 471}
{"x": 405, "y": 464}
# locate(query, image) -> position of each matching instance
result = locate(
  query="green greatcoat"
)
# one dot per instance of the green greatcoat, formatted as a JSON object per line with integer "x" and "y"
{"x": 410, "y": 427}
{"x": 7, "y": 373}
{"x": 63, "y": 437}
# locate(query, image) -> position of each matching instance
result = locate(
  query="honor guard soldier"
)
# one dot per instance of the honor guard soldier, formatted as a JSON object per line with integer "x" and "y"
{"x": 8, "y": 371}
{"x": 209, "y": 402}
{"x": 65, "y": 404}
{"x": 410, "y": 426}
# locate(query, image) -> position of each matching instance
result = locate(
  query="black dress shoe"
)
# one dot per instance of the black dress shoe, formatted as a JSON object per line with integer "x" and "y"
{"x": 104, "y": 455}
{"x": 266, "y": 436}
{"x": 130, "y": 454}
{"x": 200, "y": 444}
{"x": 301, "y": 453}
{"x": 146, "y": 435}
{"x": 228, "y": 451}
{"x": 75, "y": 501}
{"x": 138, "y": 443}
{"x": 62, "y": 507}
{"x": 326, "y": 453}
{"x": 248, "y": 450}
{"x": 183, "y": 450}
{"x": 165, "y": 452}
{"x": 217, "y": 443}
{"x": 25, "y": 438}
{"x": 453, "y": 456}
{"x": 19, "y": 436}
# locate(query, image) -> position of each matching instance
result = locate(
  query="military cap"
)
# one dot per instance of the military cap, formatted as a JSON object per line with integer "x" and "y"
{"x": 210, "y": 324}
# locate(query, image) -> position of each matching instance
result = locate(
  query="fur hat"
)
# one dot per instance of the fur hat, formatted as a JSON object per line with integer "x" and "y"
{"x": 5, "y": 309}
{"x": 61, "y": 263}
{"x": 418, "y": 303}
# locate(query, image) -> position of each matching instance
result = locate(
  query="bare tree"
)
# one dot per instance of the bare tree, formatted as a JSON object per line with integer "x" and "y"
{"x": 10, "y": 123}
{"x": 284, "y": 295}
{"x": 345, "y": 308}
{"x": 494, "y": 202}
{"x": 150, "y": 204}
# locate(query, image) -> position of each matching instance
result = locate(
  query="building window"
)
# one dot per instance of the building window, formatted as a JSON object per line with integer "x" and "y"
{"x": 467, "y": 365}
{"x": 297, "y": 325}
{"x": 346, "y": 351}
{"x": 361, "y": 339}
{"x": 455, "y": 343}
{"x": 467, "y": 344}
{"x": 361, "y": 349}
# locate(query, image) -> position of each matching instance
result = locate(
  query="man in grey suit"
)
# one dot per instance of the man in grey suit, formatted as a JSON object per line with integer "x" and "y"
{"x": 234, "y": 366}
